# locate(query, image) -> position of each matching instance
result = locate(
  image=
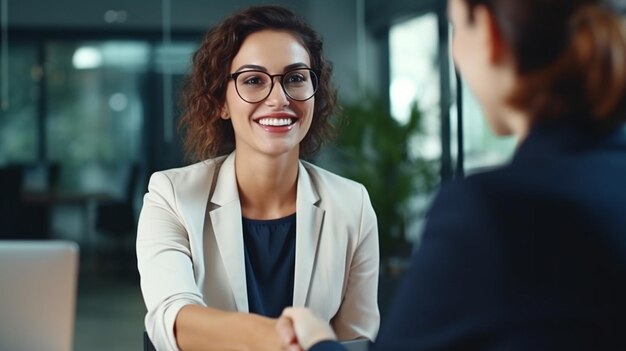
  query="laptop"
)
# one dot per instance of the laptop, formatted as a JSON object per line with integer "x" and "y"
{"x": 38, "y": 281}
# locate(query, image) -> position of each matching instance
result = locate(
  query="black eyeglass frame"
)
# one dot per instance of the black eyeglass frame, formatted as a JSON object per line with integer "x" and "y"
{"x": 313, "y": 75}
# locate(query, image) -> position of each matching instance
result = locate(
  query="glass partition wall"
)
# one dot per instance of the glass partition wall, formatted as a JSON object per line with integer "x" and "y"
{"x": 80, "y": 118}
{"x": 452, "y": 132}
{"x": 20, "y": 100}
{"x": 415, "y": 67}
{"x": 95, "y": 111}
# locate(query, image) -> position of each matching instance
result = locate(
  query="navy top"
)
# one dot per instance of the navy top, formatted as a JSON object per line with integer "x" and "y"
{"x": 269, "y": 253}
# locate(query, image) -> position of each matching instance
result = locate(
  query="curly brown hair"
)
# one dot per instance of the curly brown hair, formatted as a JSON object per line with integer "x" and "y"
{"x": 207, "y": 135}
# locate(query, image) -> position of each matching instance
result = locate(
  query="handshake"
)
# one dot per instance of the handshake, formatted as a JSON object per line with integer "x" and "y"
{"x": 299, "y": 329}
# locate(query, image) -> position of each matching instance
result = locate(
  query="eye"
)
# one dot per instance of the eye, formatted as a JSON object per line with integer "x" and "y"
{"x": 252, "y": 79}
{"x": 295, "y": 77}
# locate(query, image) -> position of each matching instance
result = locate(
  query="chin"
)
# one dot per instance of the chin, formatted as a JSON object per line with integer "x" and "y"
{"x": 496, "y": 123}
{"x": 502, "y": 132}
{"x": 276, "y": 150}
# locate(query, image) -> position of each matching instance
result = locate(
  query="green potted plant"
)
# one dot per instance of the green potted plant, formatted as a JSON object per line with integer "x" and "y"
{"x": 373, "y": 148}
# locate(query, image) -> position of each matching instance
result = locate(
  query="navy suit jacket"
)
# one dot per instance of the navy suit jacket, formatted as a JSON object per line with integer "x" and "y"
{"x": 531, "y": 256}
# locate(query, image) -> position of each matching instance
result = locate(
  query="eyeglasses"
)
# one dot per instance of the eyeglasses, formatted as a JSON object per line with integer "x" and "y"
{"x": 255, "y": 86}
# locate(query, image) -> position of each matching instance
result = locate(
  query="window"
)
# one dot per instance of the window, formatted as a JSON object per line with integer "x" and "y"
{"x": 415, "y": 78}
{"x": 95, "y": 110}
{"x": 482, "y": 149}
{"x": 18, "y": 120}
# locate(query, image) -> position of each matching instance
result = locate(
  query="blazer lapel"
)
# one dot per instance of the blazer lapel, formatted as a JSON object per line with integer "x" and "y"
{"x": 225, "y": 212}
{"x": 309, "y": 220}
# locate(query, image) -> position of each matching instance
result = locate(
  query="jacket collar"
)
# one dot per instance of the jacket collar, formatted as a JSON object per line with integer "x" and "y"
{"x": 309, "y": 219}
{"x": 224, "y": 210}
{"x": 225, "y": 213}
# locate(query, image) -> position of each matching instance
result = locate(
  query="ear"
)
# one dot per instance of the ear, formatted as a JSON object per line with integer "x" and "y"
{"x": 495, "y": 44}
{"x": 224, "y": 114}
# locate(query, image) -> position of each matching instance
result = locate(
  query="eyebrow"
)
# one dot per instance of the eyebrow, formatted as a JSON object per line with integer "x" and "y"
{"x": 261, "y": 68}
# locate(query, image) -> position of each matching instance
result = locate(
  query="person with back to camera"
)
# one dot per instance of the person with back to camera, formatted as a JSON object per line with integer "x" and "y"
{"x": 224, "y": 245}
{"x": 530, "y": 256}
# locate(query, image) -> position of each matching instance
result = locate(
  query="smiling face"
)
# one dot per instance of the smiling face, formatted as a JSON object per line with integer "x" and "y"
{"x": 277, "y": 124}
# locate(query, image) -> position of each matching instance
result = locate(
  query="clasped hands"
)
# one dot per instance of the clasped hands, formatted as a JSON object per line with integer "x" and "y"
{"x": 299, "y": 329}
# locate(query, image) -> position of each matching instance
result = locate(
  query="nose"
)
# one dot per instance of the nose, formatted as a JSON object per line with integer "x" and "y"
{"x": 277, "y": 97}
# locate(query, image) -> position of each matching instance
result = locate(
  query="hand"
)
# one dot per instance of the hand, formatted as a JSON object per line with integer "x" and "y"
{"x": 285, "y": 331}
{"x": 261, "y": 334}
{"x": 299, "y": 324}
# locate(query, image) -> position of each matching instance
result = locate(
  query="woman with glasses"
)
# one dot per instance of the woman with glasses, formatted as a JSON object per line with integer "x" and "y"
{"x": 530, "y": 256}
{"x": 224, "y": 245}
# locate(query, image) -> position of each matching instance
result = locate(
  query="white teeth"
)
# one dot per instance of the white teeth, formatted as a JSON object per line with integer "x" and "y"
{"x": 277, "y": 122}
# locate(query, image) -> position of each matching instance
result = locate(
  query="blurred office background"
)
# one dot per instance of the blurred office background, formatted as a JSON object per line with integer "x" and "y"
{"x": 89, "y": 91}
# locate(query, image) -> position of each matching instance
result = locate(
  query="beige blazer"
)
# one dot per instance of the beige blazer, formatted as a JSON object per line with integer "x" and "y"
{"x": 190, "y": 248}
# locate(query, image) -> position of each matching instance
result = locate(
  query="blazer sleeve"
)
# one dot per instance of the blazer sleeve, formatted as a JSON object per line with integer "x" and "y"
{"x": 164, "y": 262}
{"x": 358, "y": 315}
{"x": 450, "y": 294}
{"x": 328, "y": 345}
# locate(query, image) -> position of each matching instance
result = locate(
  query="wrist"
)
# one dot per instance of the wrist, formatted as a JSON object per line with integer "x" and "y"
{"x": 321, "y": 335}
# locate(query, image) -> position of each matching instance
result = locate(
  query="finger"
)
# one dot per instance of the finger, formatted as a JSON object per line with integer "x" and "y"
{"x": 285, "y": 330}
{"x": 286, "y": 312}
{"x": 291, "y": 312}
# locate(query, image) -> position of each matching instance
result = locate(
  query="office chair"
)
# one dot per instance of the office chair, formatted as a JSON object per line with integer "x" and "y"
{"x": 116, "y": 218}
{"x": 18, "y": 219}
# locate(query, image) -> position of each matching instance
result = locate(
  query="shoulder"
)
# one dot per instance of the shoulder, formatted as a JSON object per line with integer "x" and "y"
{"x": 333, "y": 189}
{"x": 324, "y": 180}
{"x": 472, "y": 204}
{"x": 193, "y": 170}
{"x": 512, "y": 198}
{"x": 515, "y": 181}
{"x": 189, "y": 177}
{"x": 458, "y": 198}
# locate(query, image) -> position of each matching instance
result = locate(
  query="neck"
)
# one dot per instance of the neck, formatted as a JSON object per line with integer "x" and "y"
{"x": 267, "y": 185}
{"x": 518, "y": 123}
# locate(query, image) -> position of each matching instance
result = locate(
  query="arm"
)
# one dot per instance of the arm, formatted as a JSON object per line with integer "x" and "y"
{"x": 358, "y": 315}
{"x": 450, "y": 297}
{"x": 177, "y": 316}
{"x": 495, "y": 273}
{"x": 482, "y": 280}
{"x": 299, "y": 328}
{"x": 204, "y": 328}
{"x": 444, "y": 284}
